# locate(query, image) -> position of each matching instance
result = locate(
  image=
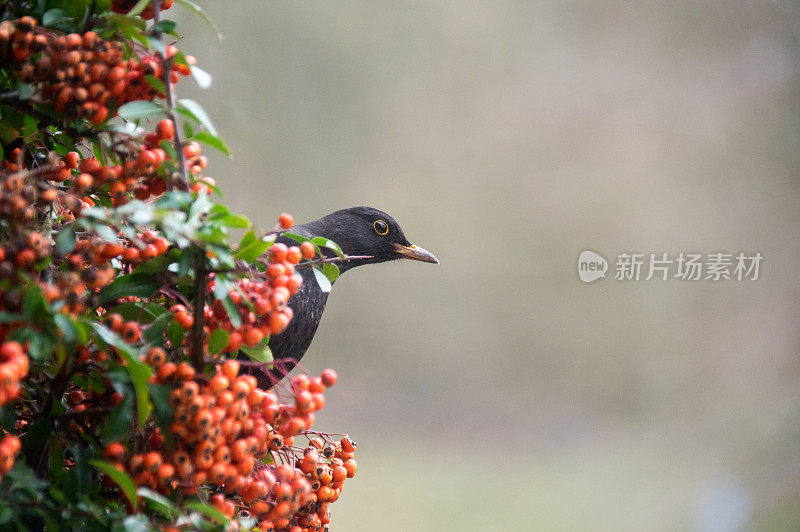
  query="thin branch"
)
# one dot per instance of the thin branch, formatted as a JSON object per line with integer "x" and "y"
{"x": 196, "y": 353}
{"x": 299, "y": 265}
{"x": 325, "y": 260}
{"x": 166, "y": 71}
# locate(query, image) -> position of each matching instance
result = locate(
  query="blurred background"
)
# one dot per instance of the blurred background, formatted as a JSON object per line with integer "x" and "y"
{"x": 497, "y": 391}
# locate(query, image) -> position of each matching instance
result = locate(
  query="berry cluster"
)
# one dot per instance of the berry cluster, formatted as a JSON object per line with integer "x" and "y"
{"x": 63, "y": 242}
{"x": 14, "y": 364}
{"x": 228, "y": 434}
{"x": 268, "y": 296}
{"x": 124, "y": 6}
{"x": 82, "y": 76}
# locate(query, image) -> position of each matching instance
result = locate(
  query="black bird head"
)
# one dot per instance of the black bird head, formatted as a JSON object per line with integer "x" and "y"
{"x": 360, "y": 231}
{"x": 364, "y": 231}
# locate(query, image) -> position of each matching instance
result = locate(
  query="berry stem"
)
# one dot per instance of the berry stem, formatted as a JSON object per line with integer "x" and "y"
{"x": 165, "y": 78}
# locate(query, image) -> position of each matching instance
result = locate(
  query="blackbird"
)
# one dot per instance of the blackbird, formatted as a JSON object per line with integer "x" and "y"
{"x": 369, "y": 234}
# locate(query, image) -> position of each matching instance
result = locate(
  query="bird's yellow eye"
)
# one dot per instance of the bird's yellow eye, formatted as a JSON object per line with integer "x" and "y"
{"x": 381, "y": 227}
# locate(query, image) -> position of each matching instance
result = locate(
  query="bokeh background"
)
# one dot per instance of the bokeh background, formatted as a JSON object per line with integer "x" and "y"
{"x": 497, "y": 391}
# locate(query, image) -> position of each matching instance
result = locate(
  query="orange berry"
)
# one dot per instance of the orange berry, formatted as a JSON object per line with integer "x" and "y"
{"x": 130, "y": 332}
{"x": 71, "y": 160}
{"x": 234, "y": 342}
{"x": 252, "y": 336}
{"x": 285, "y": 220}
{"x": 166, "y": 129}
{"x": 11, "y": 350}
{"x": 329, "y": 377}
{"x": 114, "y": 452}
{"x": 339, "y": 473}
{"x": 218, "y": 383}
{"x": 348, "y": 445}
{"x": 156, "y": 356}
{"x": 230, "y": 368}
{"x": 152, "y": 461}
{"x": 165, "y": 472}
{"x": 26, "y": 258}
{"x": 294, "y": 255}
{"x": 308, "y": 250}
{"x": 278, "y": 252}
{"x": 350, "y": 465}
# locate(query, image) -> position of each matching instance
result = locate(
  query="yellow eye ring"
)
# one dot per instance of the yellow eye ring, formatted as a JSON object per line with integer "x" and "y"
{"x": 380, "y": 227}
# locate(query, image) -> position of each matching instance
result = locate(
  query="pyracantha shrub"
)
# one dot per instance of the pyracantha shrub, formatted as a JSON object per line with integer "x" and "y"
{"x": 127, "y": 316}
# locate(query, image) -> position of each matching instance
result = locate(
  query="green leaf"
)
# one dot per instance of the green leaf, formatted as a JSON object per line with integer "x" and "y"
{"x": 155, "y": 332}
{"x": 135, "y": 523}
{"x": 52, "y": 17}
{"x": 67, "y": 327}
{"x": 234, "y": 220}
{"x": 119, "y": 421}
{"x": 157, "y": 264}
{"x": 330, "y": 244}
{"x": 80, "y": 469}
{"x": 221, "y": 289}
{"x": 164, "y": 26}
{"x": 175, "y": 334}
{"x": 322, "y": 280}
{"x": 7, "y": 418}
{"x": 30, "y": 127}
{"x": 195, "y": 111}
{"x": 212, "y": 140}
{"x": 24, "y": 90}
{"x": 203, "y": 78}
{"x": 296, "y": 237}
{"x": 37, "y": 434}
{"x": 331, "y": 271}
{"x": 40, "y": 346}
{"x": 139, "y": 7}
{"x": 158, "y": 502}
{"x": 259, "y": 352}
{"x": 160, "y": 393}
{"x": 34, "y": 305}
{"x": 9, "y": 317}
{"x": 157, "y": 45}
{"x": 121, "y": 478}
{"x": 65, "y": 239}
{"x": 139, "y": 109}
{"x": 23, "y": 477}
{"x": 251, "y": 252}
{"x": 233, "y": 312}
{"x": 156, "y": 83}
{"x": 218, "y": 341}
{"x": 202, "y": 14}
{"x": 106, "y": 233}
{"x": 168, "y": 146}
{"x": 248, "y": 238}
{"x": 139, "y": 311}
{"x": 208, "y": 511}
{"x": 133, "y": 284}
{"x": 139, "y": 371}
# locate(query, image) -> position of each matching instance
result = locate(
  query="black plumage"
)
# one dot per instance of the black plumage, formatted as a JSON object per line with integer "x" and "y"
{"x": 359, "y": 231}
